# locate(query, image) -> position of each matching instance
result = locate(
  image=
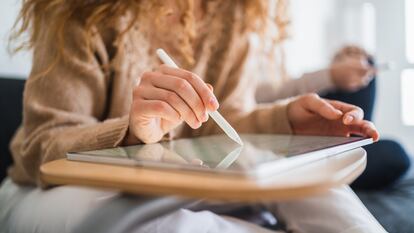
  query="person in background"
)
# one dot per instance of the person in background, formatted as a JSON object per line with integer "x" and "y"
{"x": 96, "y": 83}
{"x": 349, "y": 78}
{"x": 387, "y": 159}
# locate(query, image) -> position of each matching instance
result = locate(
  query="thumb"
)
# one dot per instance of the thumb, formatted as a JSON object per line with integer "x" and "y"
{"x": 313, "y": 103}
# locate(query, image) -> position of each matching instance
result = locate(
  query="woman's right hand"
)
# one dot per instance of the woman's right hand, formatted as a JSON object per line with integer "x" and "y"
{"x": 311, "y": 115}
{"x": 164, "y": 99}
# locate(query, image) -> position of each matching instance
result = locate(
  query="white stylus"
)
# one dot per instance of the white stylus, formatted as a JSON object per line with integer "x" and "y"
{"x": 217, "y": 117}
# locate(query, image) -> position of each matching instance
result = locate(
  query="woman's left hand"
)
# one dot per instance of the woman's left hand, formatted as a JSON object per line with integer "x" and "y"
{"x": 311, "y": 115}
{"x": 350, "y": 70}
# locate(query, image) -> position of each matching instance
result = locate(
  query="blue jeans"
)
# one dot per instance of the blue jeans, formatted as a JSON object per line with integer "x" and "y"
{"x": 387, "y": 159}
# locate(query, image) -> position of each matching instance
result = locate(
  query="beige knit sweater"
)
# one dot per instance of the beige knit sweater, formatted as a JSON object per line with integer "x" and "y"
{"x": 83, "y": 102}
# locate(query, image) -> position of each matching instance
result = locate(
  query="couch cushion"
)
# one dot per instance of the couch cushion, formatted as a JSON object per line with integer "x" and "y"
{"x": 11, "y": 101}
{"x": 393, "y": 207}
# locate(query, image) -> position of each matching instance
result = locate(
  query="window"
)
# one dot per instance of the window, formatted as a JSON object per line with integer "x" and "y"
{"x": 368, "y": 26}
{"x": 407, "y": 75}
{"x": 409, "y": 30}
{"x": 407, "y": 96}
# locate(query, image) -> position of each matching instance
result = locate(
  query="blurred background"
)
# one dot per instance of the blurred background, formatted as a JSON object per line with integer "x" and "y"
{"x": 319, "y": 28}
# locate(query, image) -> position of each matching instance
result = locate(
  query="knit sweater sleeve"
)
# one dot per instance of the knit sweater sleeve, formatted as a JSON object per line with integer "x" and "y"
{"x": 315, "y": 82}
{"x": 65, "y": 108}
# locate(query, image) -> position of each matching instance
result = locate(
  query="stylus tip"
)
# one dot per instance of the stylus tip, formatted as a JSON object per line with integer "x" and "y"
{"x": 238, "y": 140}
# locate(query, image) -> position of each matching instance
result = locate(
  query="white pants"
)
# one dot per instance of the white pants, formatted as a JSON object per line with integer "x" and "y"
{"x": 72, "y": 209}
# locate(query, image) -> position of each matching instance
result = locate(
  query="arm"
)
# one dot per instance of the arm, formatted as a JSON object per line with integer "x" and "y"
{"x": 315, "y": 82}
{"x": 65, "y": 109}
{"x": 306, "y": 114}
{"x": 348, "y": 71}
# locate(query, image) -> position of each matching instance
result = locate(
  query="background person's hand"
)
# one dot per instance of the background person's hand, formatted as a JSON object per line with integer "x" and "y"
{"x": 350, "y": 70}
{"x": 350, "y": 51}
{"x": 311, "y": 115}
{"x": 164, "y": 99}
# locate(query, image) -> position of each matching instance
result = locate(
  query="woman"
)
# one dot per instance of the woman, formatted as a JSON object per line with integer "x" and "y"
{"x": 96, "y": 83}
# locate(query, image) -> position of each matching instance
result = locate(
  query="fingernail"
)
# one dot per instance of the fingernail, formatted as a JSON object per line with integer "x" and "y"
{"x": 214, "y": 103}
{"x": 197, "y": 162}
{"x": 348, "y": 119}
{"x": 339, "y": 112}
{"x": 202, "y": 117}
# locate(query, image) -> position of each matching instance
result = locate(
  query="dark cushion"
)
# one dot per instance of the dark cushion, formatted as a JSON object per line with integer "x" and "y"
{"x": 11, "y": 105}
{"x": 393, "y": 207}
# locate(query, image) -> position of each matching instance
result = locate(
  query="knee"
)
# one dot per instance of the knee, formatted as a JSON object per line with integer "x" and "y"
{"x": 398, "y": 160}
{"x": 387, "y": 163}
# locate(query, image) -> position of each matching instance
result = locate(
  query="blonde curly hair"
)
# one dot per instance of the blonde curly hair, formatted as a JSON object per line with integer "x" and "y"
{"x": 257, "y": 17}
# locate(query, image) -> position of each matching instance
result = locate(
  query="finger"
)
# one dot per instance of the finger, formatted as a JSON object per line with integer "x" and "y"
{"x": 351, "y": 51}
{"x": 185, "y": 90}
{"x": 174, "y": 101}
{"x": 197, "y": 162}
{"x": 210, "y": 87}
{"x": 369, "y": 130}
{"x": 361, "y": 76}
{"x": 366, "y": 129}
{"x": 352, "y": 113}
{"x": 355, "y": 51}
{"x": 156, "y": 109}
{"x": 315, "y": 104}
{"x": 356, "y": 82}
{"x": 207, "y": 95}
{"x": 353, "y": 117}
{"x": 358, "y": 65}
{"x": 372, "y": 72}
{"x": 367, "y": 79}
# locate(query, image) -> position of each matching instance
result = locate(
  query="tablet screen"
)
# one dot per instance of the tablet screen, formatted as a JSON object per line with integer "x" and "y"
{"x": 219, "y": 152}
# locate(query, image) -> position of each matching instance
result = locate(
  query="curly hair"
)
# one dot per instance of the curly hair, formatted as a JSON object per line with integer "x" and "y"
{"x": 94, "y": 12}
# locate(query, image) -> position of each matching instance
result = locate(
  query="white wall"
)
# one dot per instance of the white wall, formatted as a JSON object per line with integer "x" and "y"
{"x": 391, "y": 47}
{"x": 18, "y": 65}
{"x": 322, "y": 26}
{"x": 309, "y": 47}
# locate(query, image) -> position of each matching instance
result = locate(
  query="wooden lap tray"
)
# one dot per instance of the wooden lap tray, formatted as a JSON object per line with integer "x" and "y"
{"x": 311, "y": 179}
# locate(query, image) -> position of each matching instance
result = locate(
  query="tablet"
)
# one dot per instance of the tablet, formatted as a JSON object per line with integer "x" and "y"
{"x": 261, "y": 155}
